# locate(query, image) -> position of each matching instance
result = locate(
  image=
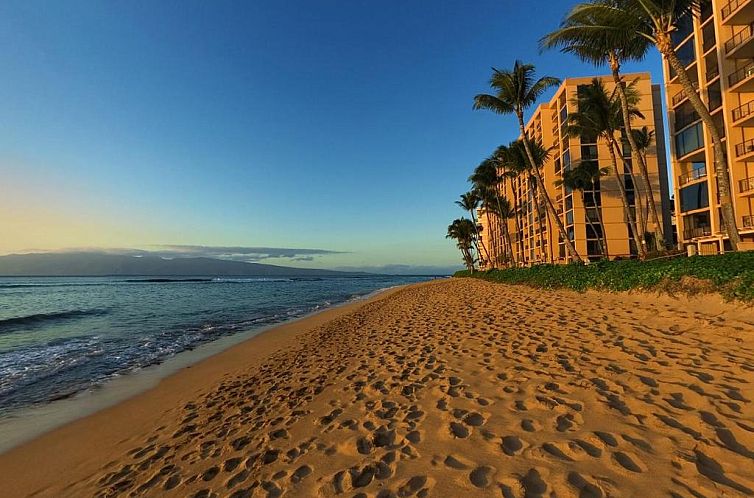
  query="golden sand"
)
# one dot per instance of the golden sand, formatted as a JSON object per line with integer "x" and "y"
{"x": 456, "y": 388}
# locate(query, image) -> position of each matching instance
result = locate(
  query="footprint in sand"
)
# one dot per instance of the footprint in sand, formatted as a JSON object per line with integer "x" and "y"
{"x": 511, "y": 445}
{"x": 481, "y": 477}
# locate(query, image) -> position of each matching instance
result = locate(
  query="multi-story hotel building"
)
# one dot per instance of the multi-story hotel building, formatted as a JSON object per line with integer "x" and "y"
{"x": 717, "y": 48}
{"x": 537, "y": 240}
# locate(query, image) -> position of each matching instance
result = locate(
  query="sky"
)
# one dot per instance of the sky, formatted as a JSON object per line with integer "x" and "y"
{"x": 311, "y": 133}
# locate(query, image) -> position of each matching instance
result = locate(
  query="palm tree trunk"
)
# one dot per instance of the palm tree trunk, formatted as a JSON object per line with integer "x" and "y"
{"x": 479, "y": 240}
{"x": 722, "y": 175}
{"x": 540, "y": 222}
{"x": 548, "y": 202}
{"x": 504, "y": 230}
{"x": 626, "y": 206}
{"x": 638, "y": 202}
{"x": 601, "y": 222}
{"x": 638, "y": 158}
{"x": 493, "y": 262}
{"x": 590, "y": 222}
{"x": 519, "y": 239}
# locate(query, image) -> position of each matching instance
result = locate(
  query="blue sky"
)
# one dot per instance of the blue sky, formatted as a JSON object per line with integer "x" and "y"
{"x": 337, "y": 125}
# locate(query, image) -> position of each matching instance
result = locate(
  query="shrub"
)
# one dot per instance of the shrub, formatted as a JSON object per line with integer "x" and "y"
{"x": 732, "y": 275}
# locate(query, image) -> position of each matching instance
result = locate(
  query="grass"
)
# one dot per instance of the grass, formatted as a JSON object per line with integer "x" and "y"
{"x": 731, "y": 275}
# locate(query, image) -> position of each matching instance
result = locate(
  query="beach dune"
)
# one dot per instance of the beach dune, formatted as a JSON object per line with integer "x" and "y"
{"x": 449, "y": 388}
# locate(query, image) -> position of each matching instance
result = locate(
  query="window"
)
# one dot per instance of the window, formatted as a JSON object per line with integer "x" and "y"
{"x": 593, "y": 231}
{"x": 569, "y": 203}
{"x": 689, "y": 140}
{"x": 588, "y": 152}
{"x": 694, "y": 197}
{"x": 708, "y": 36}
{"x": 569, "y": 219}
{"x": 684, "y": 27}
{"x": 715, "y": 96}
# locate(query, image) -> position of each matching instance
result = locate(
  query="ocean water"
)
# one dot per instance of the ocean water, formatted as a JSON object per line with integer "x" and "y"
{"x": 63, "y": 336}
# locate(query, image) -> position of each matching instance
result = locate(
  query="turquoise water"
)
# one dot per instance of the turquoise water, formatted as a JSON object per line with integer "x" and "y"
{"x": 61, "y": 336}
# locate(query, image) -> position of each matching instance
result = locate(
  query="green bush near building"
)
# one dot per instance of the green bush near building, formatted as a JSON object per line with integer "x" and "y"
{"x": 731, "y": 275}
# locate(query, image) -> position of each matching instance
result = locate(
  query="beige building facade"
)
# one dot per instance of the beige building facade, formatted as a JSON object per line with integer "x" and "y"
{"x": 717, "y": 48}
{"x": 536, "y": 238}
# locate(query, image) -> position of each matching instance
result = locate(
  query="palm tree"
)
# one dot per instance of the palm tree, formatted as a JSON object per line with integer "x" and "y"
{"x": 519, "y": 158}
{"x": 517, "y": 90}
{"x": 486, "y": 181}
{"x": 655, "y": 21}
{"x": 512, "y": 167}
{"x": 599, "y": 41}
{"x": 504, "y": 211}
{"x": 462, "y": 231}
{"x": 470, "y": 202}
{"x": 643, "y": 138}
{"x": 585, "y": 178}
{"x": 599, "y": 115}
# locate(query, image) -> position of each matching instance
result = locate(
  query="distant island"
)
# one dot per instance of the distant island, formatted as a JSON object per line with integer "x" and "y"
{"x": 90, "y": 264}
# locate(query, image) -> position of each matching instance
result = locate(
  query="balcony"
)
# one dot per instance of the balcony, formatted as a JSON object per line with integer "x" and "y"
{"x": 741, "y": 45}
{"x": 748, "y": 221}
{"x": 683, "y": 119}
{"x": 746, "y": 186}
{"x": 744, "y": 115}
{"x": 696, "y": 174}
{"x": 737, "y": 12}
{"x": 681, "y": 96}
{"x": 745, "y": 149}
{"x": 742, "y": 80}
{"x": 701, "y": 231}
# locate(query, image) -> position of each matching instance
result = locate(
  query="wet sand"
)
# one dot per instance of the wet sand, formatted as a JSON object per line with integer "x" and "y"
{"x": 449, "y": 388}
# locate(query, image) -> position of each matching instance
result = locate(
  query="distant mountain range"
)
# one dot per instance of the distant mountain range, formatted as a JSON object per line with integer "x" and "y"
{"x": 86, "y": 264}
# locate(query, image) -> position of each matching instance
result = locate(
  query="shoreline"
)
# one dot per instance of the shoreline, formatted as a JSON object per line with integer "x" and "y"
{"x": 456, "y": 387}
{"x": 27, "y": 424}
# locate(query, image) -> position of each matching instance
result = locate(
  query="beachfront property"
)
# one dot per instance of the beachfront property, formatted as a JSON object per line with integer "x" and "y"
{"x": 717, "y": 47}
{"x": 537, "y": 239}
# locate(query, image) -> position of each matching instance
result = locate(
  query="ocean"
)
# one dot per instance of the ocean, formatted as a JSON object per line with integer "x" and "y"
{"x": 63, "y": 336}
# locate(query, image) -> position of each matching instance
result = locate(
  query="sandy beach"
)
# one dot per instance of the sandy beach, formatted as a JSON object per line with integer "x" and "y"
{"x": 449, "y": 388}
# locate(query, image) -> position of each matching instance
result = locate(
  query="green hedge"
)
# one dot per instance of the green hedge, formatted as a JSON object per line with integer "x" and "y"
{"x": 731, "y": 275}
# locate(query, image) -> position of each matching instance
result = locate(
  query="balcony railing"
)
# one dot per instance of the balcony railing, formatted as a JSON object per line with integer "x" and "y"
{"x": 744, "y": 148}
{"x": 748, "y": 221}
{"x": 682, "y": 95}
{"x": 731, "y": 7}
{"x": 739, "y": 38}
{"x": 743, "y": 111}
{"x": 700, "y": 231}
{"x": 746, "y": 185}
{"x": 695, "y": 174}
{"x": 741, "y": 74}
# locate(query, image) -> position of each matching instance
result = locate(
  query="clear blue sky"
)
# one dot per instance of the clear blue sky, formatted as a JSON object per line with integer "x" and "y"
{"x": 336, "y": 125}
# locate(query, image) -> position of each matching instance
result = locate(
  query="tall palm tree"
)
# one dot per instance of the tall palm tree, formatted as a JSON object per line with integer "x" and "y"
{"x": 643, "y": 138}
{"x": 504, "y": 211}
{"x": 585, "y": 178}
{"x": 515, "y": 91}
{"x": 599, "y": 41}
{"x": 470, "y": 202}
{"x": 519, "y": 158}
{"x": 486, "y": 180}
{"x": 462, "y": 231}
{"x": 512, "y": 168}
{"x": 599, "y": 115}
{"x": 655, "y": 21}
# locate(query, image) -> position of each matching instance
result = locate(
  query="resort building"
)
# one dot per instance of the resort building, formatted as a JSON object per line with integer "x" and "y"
{"x": 717, "y": 48}
{"x": 585, "y": 215}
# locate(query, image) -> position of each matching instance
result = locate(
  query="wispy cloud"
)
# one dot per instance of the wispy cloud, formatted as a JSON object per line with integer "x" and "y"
{"x": 231, "y": 253}
{"x": 240, "y": 253}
